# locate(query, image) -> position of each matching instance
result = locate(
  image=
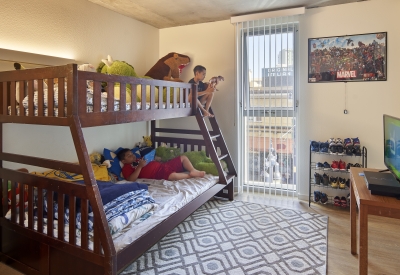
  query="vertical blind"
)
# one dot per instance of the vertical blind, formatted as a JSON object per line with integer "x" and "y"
{"x": 266, "y": 102}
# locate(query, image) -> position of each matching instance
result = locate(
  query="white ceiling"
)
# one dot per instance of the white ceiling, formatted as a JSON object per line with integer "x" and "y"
{"x": 164, "y": 14}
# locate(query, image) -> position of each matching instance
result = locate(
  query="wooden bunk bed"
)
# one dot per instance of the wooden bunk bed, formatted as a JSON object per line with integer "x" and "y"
{"x": 25, "y": 245}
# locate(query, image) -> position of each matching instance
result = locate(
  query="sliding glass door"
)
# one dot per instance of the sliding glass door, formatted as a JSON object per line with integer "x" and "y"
{"x": 267, "y": 103}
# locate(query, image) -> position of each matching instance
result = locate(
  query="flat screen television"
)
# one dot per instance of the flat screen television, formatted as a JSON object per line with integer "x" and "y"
{"x": 391, "y": 136}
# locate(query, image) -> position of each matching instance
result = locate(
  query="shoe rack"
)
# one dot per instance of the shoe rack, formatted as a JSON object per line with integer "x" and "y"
{"x": 328, "y": 157}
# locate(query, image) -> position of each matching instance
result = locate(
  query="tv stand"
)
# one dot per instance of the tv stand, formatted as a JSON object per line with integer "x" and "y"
{"x": 381, "y": 171}
{"x": 368, "y": 204}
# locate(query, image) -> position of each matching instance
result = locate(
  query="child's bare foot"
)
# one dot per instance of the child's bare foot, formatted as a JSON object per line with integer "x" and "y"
{"x": 197, "y": 174}
{"x": 207, "y": 114}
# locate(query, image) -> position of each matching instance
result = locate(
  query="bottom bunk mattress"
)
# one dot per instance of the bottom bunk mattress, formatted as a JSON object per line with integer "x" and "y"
{"x": 162, "y": 200}
{"x": 170, "y": 197}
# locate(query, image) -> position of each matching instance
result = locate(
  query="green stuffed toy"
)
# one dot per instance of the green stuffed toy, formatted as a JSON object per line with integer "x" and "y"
{"x": 198, "y": 159}
{"x": 164, "y": 153}
{"x": 201, "y": 162}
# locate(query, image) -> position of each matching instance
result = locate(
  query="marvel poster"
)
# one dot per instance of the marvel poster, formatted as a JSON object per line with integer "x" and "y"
{"x": 360, "y": 57}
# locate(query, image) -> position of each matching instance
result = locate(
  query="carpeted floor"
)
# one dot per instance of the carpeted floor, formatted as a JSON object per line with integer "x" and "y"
{"x": 237, "y": 238}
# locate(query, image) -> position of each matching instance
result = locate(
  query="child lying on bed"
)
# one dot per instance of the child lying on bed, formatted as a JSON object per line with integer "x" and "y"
{"x": 171, "y": 170}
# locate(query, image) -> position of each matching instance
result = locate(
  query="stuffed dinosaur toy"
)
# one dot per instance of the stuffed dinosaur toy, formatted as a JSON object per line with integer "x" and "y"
{"x": 169, "y": 67}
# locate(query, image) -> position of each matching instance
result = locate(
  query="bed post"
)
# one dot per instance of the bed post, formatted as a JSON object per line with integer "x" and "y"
{"x": 194, "y": 99}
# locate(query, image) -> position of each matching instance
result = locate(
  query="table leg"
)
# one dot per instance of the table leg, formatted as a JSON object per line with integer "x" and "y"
{"x": 363, "y": 241}
{"x": 353, "y": 225}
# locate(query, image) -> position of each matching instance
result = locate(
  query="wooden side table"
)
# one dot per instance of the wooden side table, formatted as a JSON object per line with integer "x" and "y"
{"x": 368, "y": 205}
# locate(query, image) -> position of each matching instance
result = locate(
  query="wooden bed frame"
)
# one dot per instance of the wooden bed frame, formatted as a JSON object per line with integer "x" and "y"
{"x": 31, "y": 249}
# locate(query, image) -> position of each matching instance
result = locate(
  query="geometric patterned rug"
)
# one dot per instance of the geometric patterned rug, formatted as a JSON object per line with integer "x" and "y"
{"x": 235, "y": 238}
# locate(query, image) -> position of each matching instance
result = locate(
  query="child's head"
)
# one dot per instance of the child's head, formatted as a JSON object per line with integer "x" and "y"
{"x": 199, "y": 72}
{"x": 126, "y": 156}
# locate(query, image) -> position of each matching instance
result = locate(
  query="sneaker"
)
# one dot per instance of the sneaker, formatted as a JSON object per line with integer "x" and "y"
{"x": 324, "y": 198}
{"x": 336, "y": 201}
{"x": 343, "y": 202}
{"x": 356, "y": 151}
{"x": 347, "y": 142}
{"x": 339, "y": 146}
{"x": 342, "y": 183}
{"x": 342, "y": 165}
{"x": 332, "y": 146}
{"x": 335, "y": 165}
{"x": 348, "y": 183}
{"x": 319, "y": 165}
{"x": 334, "y": 182}
{"x": 349, "y": 165}
{"x": 325, "y": 179}
{"x": 315, "y": 146}
{"x": 349, "y": 150}
{"x": 356, "y": 165}
{"x": 356, "y": 142}
{"x": 324, "y": 147}
{"x": 317, "y": 178}
{"x": 327, "y": 166}
{"x": 317, "y": 196}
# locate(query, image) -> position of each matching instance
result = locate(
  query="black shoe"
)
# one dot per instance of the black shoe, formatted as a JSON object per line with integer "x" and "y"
{"x": 317, "y": 196}
{"x": 324, "y": 198}
{"x": 332, "y": 146}
{"x": 349, "y": 150}
{"x": 319, "y": 165}
{"x": 327, "y": 166}
{"x": 357, "y": 151}
{"x": 357, "y": 165}
{"x": 348, "y": 183}
{"x": 348, "y": 166}
{"x": 325, "y": 179}
{"x": 324, "y": 147}
{"x": 317, "y": 178}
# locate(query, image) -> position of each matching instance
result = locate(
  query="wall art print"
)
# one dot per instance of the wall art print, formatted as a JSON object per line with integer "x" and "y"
{"x": 361, "y": 57}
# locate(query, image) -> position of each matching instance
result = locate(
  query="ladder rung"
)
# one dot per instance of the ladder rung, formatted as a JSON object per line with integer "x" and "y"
{"x": 222, "y": 157}
{"x": 215, "y": 136}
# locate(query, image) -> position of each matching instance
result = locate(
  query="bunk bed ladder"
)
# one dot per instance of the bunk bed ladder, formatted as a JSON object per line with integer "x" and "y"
{"x": 214, "y": 139}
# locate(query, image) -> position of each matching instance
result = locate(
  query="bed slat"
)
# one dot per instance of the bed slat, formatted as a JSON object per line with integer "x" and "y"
{"x": 134, "y": 97}
{"x": 61, "y": 97}
{"x": 143, "y": 98}
{"x": 122, "y": 96}
{"x": 5, "y": 98}
{"x": 30, "y": 206}
{"x": 40, "y": 98}
{"x": 168, "y": 98}
{"x": 31, "y": 110}
{"x": 96, "y": 240}
{"x": 21, "y": 206}
{"x": 96, "y": 96}
{"x": 12, "y": 98}
{"x": 160, "y": 97}
{"x": 60, "y": 217}
{"x": 72, "y": 220}
{"x": 21, "y": 92}
{"x": 110, "y": 97}
{"x": 50, "y": 97}
{"x": 3, "y": 197}
{"x": 40, "y": 210}
{"x": 84, "y": 224}
{"x": 153, "y": 98}
{"x": 50, "y": 213}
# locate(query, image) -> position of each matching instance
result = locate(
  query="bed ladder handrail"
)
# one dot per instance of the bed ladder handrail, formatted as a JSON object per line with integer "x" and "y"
{"x": 215, "y": 133}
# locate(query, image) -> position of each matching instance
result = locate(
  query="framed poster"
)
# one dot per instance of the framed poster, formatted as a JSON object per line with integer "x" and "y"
{"x": 360, "y": 57}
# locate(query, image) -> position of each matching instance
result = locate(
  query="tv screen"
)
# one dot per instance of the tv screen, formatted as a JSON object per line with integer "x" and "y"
{"x": 391, "y": 135}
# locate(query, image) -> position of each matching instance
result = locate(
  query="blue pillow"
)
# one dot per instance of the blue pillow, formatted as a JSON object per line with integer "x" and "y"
{"x": 116, "y": 165}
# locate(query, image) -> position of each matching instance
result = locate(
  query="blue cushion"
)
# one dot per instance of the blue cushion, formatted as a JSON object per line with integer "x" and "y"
{"x": 116, "y": 165}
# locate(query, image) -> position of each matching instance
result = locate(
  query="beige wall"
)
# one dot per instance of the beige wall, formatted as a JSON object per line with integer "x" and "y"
{"x": 321, "y": 105}
{"x": 320, "y": 113}
{"x": 210, "y": 45}
{"x": 85, "y": 32}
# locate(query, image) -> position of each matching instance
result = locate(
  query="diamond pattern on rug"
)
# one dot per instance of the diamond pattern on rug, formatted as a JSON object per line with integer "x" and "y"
{"x": 224, "y": 237}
